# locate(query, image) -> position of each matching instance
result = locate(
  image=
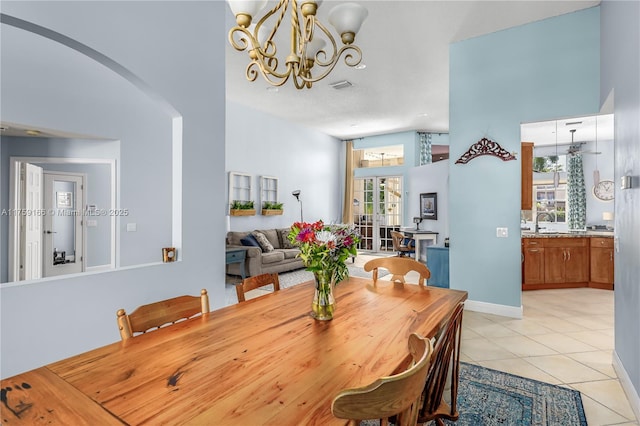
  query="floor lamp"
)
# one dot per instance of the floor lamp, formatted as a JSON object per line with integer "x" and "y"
{"x": 296, "y": 194}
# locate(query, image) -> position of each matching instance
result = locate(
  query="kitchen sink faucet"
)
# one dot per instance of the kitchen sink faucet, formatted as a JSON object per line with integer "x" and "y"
{"x": 549, "y": 217}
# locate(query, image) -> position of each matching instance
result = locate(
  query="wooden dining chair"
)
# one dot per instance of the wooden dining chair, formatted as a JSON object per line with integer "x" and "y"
{"x": 444, "y": 372}
{"x": 158, "y": 314}
{"x": 397, "y": 395}
{"x": 402, "y": 244}
{"x": 399, "y": 267}
{"x": 258, "y": 281}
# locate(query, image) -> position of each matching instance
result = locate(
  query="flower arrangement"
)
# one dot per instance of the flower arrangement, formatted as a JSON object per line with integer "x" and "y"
{"x": 325, "y": 248}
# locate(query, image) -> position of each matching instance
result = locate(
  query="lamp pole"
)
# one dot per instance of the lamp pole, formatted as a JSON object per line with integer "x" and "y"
{"x": 296, "y": 194}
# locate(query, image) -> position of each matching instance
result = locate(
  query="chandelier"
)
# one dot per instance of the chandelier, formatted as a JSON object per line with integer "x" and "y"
{"x": 308, "y": 60}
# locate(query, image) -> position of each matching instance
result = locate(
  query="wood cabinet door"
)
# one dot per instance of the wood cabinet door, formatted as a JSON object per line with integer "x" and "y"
{"x": 533, "y": 266}
{"x": 554, "y": 258}
{"x": 602, "y": 265}
{"x": 576, "y": 264}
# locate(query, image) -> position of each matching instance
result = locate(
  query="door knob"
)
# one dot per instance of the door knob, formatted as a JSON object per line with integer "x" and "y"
{"x": 50, "y": 232}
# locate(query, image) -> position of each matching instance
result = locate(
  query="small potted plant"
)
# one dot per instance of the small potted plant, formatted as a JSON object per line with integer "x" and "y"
{"x": 271, "y": 208}
{"x": 242, "y": 208}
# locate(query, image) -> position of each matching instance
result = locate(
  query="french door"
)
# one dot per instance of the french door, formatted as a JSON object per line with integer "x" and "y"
{"x": 377, "y": 210}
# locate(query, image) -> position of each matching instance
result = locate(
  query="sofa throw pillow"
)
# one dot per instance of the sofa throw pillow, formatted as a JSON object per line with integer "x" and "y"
{"x": 265, "y": 245}
{"x": 286, "y": 244}
{"x": 249, "y": 241}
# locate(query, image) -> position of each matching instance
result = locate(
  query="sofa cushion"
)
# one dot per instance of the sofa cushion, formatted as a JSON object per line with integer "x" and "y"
{"x": 272, "y": 257}
{"x": 285, "y": 243}
{"x": 249, "y": 241}
{"x": 272, "y": 236}
{"x": 290, "y": 253}
{"x": 265, "y": 245}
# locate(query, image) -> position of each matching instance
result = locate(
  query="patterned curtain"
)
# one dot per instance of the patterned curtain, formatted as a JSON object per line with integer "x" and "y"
{"x": 577, "y": 194}
{"x": 425, "y": 148}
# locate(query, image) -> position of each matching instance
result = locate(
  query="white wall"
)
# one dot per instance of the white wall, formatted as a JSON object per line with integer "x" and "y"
{"x": 300, "y": 158}
{"x": 177, "y": 49}
{"x": 432, "y": 177}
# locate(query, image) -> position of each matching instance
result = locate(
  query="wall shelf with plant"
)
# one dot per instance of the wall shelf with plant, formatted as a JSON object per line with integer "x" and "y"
{"x": 242, "y": 208}
{"x": 271, "y": 208}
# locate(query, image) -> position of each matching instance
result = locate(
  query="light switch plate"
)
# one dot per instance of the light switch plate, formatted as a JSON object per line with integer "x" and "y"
{"x": 502, "y": 232}
{"x": 131, "y": 227}
{"x": 92, "y": 223}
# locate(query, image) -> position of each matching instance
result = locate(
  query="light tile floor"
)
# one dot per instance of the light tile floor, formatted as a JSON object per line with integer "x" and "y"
{"x": 566, "y": 337}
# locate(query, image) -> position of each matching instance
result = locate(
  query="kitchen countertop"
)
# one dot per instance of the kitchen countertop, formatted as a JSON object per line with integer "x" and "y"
{"x": 578, "y": 234}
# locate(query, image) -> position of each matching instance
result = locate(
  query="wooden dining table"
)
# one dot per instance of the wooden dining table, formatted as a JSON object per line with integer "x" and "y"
{"x": 263, "y": 361}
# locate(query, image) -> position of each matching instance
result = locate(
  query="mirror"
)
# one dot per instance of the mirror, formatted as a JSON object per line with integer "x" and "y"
{"x": 554, "y": 141}
{"x": 68, "y": 103}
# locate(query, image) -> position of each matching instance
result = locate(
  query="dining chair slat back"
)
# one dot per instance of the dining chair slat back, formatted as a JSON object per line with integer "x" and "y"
{"x": 398, "y": 395}
{"x": 443, "y": 373}
{"x": 398, "y": 267}
{"x": 158, "y": 314}
{"x": 255, "y": 282}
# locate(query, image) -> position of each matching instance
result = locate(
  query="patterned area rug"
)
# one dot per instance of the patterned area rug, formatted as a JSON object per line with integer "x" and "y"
{"x": 488, "y": 397}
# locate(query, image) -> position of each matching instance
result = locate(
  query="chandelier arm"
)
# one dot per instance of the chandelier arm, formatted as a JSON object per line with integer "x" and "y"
{"x": 264, "y": 50}
{"x": 329, "y": 67}
{"x": 282, "y": 78}
{"x": 334, "y": 54}
{"x": 243, "y": 43}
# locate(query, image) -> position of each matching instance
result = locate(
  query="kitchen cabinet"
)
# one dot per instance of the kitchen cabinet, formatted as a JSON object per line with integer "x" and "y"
{"x": 601, "y": 275}
{"x": 555, "y": 262}
{"x": 526, "y": 163}
{"x": 533, "y": 261}
{"x": 566, "y": 261}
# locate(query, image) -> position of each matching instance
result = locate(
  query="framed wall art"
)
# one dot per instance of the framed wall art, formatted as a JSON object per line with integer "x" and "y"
{"x": 429, "y": 205}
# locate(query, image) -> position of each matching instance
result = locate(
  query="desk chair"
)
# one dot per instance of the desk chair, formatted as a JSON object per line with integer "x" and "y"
{"x": 157, "y": 314}
{"x": 444, "y": 371}
{"x": 398, "y": 395}
{"x": 399, "y": 267}
{"x": 252, "y": 283}
{"x": 402, "y": 244}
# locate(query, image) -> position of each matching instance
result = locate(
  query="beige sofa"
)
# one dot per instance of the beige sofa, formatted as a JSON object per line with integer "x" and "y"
{"x": 283, "y": 258}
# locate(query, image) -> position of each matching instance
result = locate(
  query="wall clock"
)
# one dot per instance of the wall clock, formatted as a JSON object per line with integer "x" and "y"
{"x": 604, "y": 190}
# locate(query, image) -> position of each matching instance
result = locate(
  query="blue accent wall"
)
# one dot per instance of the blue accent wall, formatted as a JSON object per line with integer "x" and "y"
{"x": 543, "y": 70}
{"x": 621, "y": 74}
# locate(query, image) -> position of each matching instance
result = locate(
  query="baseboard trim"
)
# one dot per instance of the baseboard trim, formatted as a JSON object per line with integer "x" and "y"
{"x": 493, "y": 308}
{"x": 627, "y": 386}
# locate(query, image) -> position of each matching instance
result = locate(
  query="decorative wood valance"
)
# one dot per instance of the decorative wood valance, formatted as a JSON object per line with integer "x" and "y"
{"x": 485, "y": 147}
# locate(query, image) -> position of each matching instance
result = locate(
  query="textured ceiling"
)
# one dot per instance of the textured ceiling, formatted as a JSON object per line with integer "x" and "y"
{"x": 405, "y": 47}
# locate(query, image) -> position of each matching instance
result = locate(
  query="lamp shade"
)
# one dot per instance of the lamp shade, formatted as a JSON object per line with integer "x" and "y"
{"x": 347, "y": 17}
{"x": 247, "y": 7}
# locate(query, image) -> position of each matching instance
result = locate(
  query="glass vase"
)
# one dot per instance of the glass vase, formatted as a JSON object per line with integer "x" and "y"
{"x": 323, "y": 305}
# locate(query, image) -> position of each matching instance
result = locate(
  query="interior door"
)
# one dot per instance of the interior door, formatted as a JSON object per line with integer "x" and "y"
{"x": 377, "y": 210}
{"x": 31, "y": 221}
{"x": 63, "y": 251}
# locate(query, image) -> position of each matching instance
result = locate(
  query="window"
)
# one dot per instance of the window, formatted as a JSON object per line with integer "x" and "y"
{"x": 239, "y": 187}
{"x": 268, "y": 189}
{"x": 383, "y": 156}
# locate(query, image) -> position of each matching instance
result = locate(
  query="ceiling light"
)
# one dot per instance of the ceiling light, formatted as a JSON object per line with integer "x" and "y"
{"x": 308, "y": 38}
{"x": 272, "y": 89}
{"x": 360, "y": 66}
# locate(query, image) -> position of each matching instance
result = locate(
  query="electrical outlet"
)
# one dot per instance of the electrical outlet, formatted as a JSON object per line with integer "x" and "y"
{"x": 502, "y": 232}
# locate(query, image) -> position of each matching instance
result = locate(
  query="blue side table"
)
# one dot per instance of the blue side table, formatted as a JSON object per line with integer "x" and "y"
{"x": 237, "y": 256}
{"x": 438, "y": 264}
